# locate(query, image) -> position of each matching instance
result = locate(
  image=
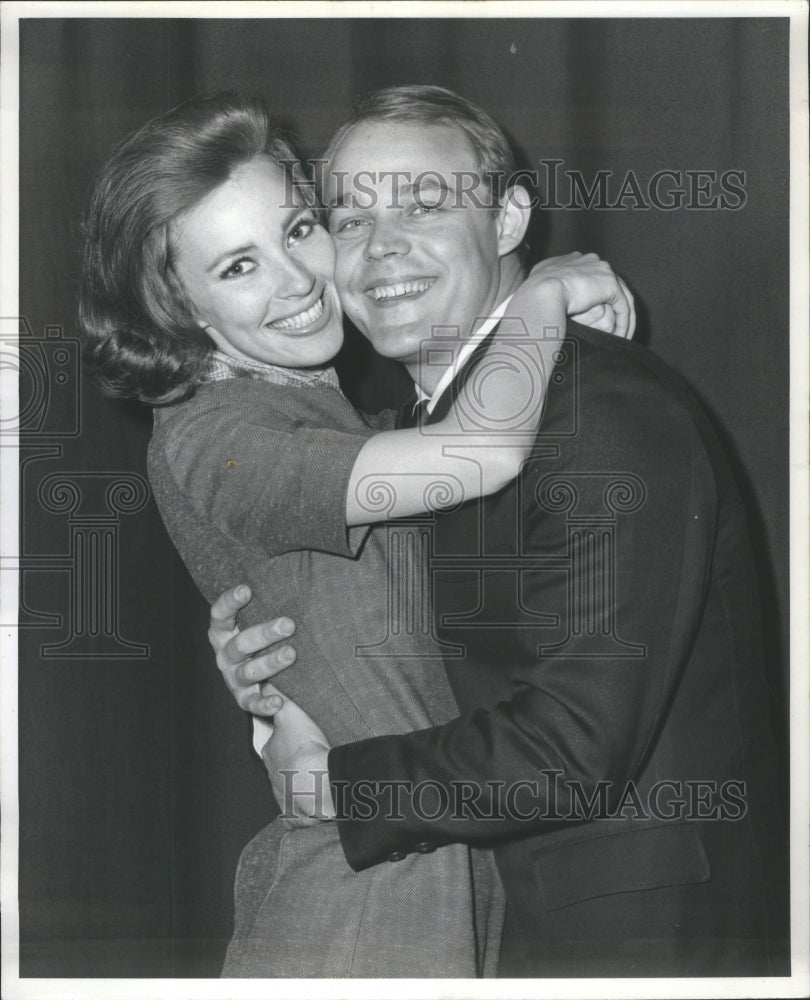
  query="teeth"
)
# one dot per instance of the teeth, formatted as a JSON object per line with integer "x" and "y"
{"x": 401, "y": 288}
{"x": 300, "y": 320}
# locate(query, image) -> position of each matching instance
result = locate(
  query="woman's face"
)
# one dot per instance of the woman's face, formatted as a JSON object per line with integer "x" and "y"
{"x": 259, "y": 272}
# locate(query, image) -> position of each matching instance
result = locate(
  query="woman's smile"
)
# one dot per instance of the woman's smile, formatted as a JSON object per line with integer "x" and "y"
{"x": 305, "y": 322}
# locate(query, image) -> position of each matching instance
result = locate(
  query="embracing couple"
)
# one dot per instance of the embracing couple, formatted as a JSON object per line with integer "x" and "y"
{"x": 524, "y": 725}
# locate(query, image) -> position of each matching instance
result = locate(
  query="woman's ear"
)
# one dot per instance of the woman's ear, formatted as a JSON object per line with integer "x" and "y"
{"x": 513, "y": 220}
{"x": 212, "y": 333}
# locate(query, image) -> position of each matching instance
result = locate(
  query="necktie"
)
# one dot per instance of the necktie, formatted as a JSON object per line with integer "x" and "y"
{"x": 412, "y": 413}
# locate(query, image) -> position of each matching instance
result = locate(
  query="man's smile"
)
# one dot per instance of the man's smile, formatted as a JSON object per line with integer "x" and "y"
{"x": 395, "y": 291}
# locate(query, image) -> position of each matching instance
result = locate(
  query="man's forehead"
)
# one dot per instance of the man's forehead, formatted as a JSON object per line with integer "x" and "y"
{"x": 403, "y": 153}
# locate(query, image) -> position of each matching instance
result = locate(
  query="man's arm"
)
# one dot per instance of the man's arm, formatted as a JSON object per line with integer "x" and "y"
{"x": 585, "y": 701}
{"x": 590, "y": 718}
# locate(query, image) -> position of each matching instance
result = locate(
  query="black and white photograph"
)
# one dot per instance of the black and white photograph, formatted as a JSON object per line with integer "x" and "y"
{"x": 508, "y": 300}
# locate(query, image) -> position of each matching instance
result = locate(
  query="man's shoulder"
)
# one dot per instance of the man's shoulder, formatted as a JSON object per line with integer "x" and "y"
{"x": 609, "y": 371}
{"x": 603, "y": 351}
{"x": 613, "y": 400}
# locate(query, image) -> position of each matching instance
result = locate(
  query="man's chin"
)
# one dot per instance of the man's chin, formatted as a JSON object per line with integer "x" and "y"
{"x": 393, "y": 342}
{"x": 395, "y": 348}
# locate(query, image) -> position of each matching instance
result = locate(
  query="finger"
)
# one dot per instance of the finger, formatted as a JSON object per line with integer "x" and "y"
{"x": 266, "y": 706}
{"x": 593, "y": 317}
{"x": 601, "y": 317}
{"x": 271, "y": 696}
{"x": 227, "y": 606}
{"x": 247, "y": 643}
{"x": 260, "y": 668}
{"x": 254, "y": 701}
{"x": 271, "y": 701}
{"x": 607, "y": 321}
{"x": 631, "y": 326}
{"x": 621, "y": 308}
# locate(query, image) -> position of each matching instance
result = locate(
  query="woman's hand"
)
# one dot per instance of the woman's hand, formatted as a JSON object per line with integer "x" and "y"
{"x": 591, "y": 292}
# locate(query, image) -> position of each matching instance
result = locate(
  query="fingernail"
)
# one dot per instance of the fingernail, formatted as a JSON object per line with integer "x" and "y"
{"x": 286, "y": 626}
{"x": 242, "y": 592}
{"x": 287, "y": 655}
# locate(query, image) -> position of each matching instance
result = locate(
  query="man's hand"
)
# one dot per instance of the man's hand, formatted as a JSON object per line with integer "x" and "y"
{"x": 248, "y": 658}
{"x": 292, "y": 746}
{"x": 596, "y": 296}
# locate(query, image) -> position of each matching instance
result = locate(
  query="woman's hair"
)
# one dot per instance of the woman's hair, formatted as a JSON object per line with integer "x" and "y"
{"x": 428, "y": 105}
{"x": 140, "y": 338}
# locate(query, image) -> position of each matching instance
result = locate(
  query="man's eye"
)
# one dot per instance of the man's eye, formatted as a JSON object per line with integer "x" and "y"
{"x": 347, "y": 226}
{"x": 428, "y": 199}
{"x": 239, "y": 267}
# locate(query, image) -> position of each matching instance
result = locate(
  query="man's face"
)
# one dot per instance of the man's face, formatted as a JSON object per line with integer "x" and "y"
{"x": 411, "y": 255}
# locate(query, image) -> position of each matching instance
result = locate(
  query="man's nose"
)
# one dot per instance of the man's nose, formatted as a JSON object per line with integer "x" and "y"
{"x": 386, "y": 238}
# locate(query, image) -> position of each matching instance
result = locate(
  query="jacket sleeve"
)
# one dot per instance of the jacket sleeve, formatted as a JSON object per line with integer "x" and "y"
{"x": 580, "y": 710}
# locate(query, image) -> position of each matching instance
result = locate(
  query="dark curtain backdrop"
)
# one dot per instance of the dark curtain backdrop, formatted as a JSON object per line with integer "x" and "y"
{"x": 138, "y": 784}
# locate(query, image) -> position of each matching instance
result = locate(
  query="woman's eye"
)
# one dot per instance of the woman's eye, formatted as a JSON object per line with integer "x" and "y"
{"x": 301, "y": 230}
{"x": 239, "y": 267}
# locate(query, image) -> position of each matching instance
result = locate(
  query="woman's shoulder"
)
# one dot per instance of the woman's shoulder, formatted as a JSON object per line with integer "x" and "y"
{"x": 218, "y": 409}
{"x": 247, "y": 399}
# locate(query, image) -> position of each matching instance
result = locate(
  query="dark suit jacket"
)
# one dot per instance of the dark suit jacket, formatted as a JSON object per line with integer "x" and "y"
{"x": 615, "y": 741}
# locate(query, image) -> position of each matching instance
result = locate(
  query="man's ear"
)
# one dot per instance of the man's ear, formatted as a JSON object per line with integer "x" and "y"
{"x": 513, "y": 220}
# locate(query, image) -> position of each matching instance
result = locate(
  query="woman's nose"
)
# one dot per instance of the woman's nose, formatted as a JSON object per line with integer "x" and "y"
{"x": 386, "y": 238}
{"x": 293, "y": 279}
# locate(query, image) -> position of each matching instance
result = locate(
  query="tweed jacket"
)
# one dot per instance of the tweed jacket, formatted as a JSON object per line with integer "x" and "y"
{"x": 250, "y": 478}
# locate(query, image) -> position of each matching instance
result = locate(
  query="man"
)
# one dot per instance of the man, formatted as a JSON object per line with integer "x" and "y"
{"x": 613, "y": 743}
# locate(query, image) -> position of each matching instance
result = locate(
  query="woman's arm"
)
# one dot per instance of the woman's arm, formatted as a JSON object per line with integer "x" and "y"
{"x": 490, "y": 429}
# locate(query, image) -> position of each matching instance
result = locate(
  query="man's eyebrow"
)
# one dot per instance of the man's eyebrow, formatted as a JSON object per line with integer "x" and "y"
{"x": 347, "y": 199}
{"x": 429, "y": 181}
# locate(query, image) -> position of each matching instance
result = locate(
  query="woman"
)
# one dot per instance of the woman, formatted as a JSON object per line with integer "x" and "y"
{"x": 211, "y": 297}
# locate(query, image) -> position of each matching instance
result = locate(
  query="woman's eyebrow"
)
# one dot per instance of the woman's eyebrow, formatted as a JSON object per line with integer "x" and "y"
{"x": 293, "y": 213}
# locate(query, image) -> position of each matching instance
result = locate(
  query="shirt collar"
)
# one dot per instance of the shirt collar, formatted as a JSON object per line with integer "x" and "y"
{"x": 223, "y": 366}
{"x": 463, "y": 356}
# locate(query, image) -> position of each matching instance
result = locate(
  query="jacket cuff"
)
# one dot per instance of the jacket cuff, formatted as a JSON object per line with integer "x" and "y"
{"x": 369, "y": 834}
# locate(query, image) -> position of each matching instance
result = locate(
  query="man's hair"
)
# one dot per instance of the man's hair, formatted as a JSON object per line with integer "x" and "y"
{"x": 140, "y": 339}
{"x": 429, "y": 105}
